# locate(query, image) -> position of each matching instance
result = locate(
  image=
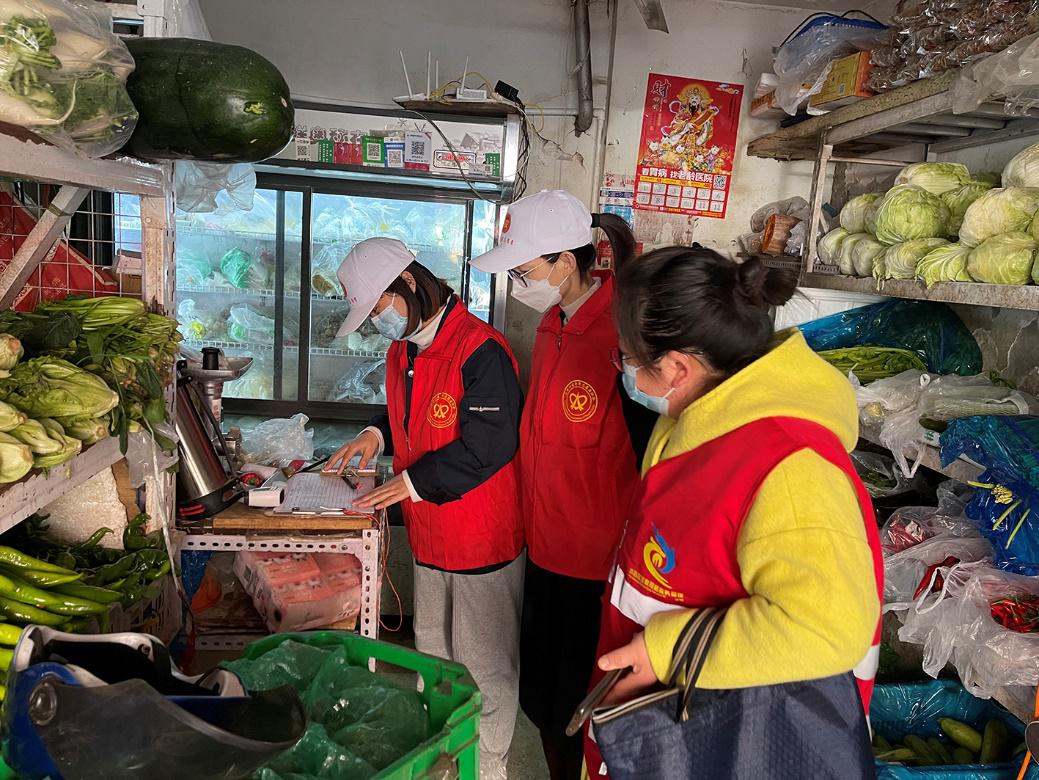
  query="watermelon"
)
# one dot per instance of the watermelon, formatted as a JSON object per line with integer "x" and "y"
{"x": 200, "y": 100}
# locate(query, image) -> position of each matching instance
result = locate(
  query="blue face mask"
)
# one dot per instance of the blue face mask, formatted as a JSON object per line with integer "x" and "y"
{"x": 655, "y": 403}
{"x": 390, "y": 322}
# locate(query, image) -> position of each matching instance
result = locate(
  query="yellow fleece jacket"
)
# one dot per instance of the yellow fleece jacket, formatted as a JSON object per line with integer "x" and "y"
{"x": 803, "y": 555}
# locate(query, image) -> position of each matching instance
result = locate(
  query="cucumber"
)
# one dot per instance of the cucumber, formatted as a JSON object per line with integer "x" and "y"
{"x": 960, "y": 755}
{"x": 880, "y": 745}
{"x": 994, "y": 742}
{"x": 899, "y": 755}
{"x": 962, "y": 734}
{"x": 201, "y": 100}
{"x": 922, "y": 749}
{"x": 940, "y": 750}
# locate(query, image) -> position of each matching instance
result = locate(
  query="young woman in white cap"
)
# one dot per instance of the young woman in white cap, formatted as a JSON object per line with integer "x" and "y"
{"x": 579, "y": 438}
{"x": 453, "y": 408}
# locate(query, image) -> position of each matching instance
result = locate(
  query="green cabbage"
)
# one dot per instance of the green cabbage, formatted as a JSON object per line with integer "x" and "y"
{"x": 1005, "y": 259}
{"x": 853, "y": 215}
{"x": 844, "y": 260}
{"x": 991, "y": 178}
{"x": 863, "y": 255}
{"x": 15, "y": 459}
{"x": 11, "y": 351}
{"x": 871, "y": 216}
{"x": 48, "y": 387}
{"x": 900, "y": 261}
{"x": 1023, "y": 169}
{"x": 947, "y": 263}
{"x": 959, "y": 200}
{"x": 998, "y": 211}
{"x": 935, "y": 177}
{"x": 830, "y": 246}
{"x": 909, "y": 212}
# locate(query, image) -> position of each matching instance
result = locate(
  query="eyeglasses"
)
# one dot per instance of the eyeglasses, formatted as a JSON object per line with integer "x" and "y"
{"x": 619, "y": 359}
{"x": 521, "y": 278}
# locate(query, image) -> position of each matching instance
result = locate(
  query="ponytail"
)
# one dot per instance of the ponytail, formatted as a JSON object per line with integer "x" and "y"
{"x": 619, "y": 234}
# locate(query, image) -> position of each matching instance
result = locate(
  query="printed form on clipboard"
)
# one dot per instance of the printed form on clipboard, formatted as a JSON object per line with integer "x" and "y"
{"x": 324, "y": 494}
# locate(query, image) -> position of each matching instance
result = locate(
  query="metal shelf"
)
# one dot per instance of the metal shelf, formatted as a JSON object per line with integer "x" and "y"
{"x": 970, "y": 293}
{"x": 320, "y": 351}
{"x": 26, "y": 159}
{"x": 219, "y": 289}
{"x": 21, "y": 499}
{"x": 918, "y": 113}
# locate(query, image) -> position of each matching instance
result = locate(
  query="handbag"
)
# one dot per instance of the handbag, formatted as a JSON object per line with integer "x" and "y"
{"x": 809, "y": 729}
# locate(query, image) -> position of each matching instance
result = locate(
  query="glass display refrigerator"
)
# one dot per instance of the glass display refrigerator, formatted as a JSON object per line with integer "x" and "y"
{"x": 261, "y": 282}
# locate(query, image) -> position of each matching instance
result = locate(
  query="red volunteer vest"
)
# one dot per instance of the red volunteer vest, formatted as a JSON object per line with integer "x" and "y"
{"x": 483, "y": 527}
{"x": 577, "y": 464}
{"x": 679, "y": 548}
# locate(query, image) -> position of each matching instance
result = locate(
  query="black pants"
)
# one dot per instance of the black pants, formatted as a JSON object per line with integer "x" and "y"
{"x": 559, "y": 634}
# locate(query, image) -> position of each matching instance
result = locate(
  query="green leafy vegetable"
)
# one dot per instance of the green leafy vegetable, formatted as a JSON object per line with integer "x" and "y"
{"x": 935, "y": 177}
{"x": 907, "y": 213}
{"x": 901, "y": 260}
{"x": 49, "y": 387}
{"x": 871, "y": 363}
{"x": 947, "y": 263}
{"x": 997, "y": 212}
{"x": 15, "y": 459}
{"x": 853, "y": 215}
{"x": 1005, "y": 259}
{"x": 829, "y": 247}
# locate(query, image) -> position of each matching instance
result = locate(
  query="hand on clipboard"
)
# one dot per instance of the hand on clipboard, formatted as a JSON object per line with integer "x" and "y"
{"x": 387, "y": 494}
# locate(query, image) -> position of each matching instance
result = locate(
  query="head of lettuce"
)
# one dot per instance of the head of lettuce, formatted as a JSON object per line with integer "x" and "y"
{"x": 999, "y": 211}
{"x": 908, "y": 213}
{"x": 1005, "y": 259}
{"x": 935, "y": 177}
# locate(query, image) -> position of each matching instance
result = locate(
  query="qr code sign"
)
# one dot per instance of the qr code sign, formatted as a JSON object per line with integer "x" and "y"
{"x": 418, "y": 148}
{"x": 373, "y": 150}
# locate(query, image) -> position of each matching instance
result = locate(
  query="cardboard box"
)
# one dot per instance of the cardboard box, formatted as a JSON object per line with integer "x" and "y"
{"x": 846, "y": 82}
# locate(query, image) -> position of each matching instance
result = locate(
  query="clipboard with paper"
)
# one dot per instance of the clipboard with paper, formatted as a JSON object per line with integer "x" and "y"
{"x": 310, "y": 493}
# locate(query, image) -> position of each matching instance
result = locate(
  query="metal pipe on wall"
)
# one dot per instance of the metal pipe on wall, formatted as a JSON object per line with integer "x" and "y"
{"x": 583, "y": 38}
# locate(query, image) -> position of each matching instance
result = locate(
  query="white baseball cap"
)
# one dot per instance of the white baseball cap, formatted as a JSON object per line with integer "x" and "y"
{"x": 541, "y": 224}
{"x": 365, "y": 273}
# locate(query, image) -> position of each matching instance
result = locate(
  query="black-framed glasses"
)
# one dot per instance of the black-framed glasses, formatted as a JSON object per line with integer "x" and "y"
{"x": 620, "y": 359}
{"x": 521, "y": 277}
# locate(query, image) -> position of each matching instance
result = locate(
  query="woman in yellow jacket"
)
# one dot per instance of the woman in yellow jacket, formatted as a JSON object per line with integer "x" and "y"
{"x": 748, "y": 498}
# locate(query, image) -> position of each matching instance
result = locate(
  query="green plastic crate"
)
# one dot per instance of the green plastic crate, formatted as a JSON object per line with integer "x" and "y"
{"x": 449, "y": 693}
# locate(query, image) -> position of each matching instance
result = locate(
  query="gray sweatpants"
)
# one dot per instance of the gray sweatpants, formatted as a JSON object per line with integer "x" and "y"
{"x": 474, "y": 619}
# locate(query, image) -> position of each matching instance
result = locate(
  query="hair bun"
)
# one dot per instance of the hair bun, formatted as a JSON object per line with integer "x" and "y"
{"x": 763, "y": 285}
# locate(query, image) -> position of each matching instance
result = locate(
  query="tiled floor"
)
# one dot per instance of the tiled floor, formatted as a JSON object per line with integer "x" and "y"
{"x": 526, "y": 761}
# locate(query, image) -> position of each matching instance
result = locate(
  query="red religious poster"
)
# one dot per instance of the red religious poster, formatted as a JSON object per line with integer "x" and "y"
{"x": 687, "y": 147}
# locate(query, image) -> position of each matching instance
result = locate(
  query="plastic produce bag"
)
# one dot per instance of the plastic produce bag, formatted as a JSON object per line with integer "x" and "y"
{"x": 879, "y": 475}
{"x": 243, "y": 271}
{"x": 278, "y": 442}
{"x": 897, "y": 710}
{"x": 317, "y": 756}
{"x": 193, "y": 270}
{"x": 247, "y": 326}
{"x": 196, "y": 325}
{"x": 1009, "y": 74}
{"x": 364, "y": 383}
{"x": 64, "y": 75}
{"x": 1006, "y": 508}
{"x": 806, "y": 57}
{"x": 290, "y": 663}
{"x": 932, "y": 330}
{"x": 197, "y": 185}
{"x": 323, "y": 276}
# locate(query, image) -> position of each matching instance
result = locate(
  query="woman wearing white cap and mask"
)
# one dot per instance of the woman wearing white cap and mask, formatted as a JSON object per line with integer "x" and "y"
{"x": 453, "y": 407}
{"x": 579, "y": 439}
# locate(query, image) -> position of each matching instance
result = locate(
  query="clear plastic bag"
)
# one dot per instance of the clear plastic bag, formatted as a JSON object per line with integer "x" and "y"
{"x": 64, "y": 74}
{"x": 193, "y": 269}
{"x": 806, "y": 57}
{"x": 879, "y": 474}
{"x": 323, "y": 276}
{"x": 198, "y": 186}
{"x": 1009, "y": 73}
{"x": 248, "y": 326}
{"x": 245, "y": 272}
{"x": 932, "y": 330}
{"x": 880, "y": 399}
{"x": 364, "y": 383}
{"x": 278, "y": 442}
{"x": 196, "y": 325}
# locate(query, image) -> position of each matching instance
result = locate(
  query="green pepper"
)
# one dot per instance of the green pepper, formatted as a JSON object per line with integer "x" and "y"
{"x": 112, "y": 571}
{"x": 12, "y": 558}
{"x": 9, "y": 634}
{"x": 162, "y": 571}
{"x": 88, "y": 592}
{"x": 23, "y": 613}
{"x": 52, "y": 602}
{"x": 46, "y": 579}
{"x": 94, "y": 539}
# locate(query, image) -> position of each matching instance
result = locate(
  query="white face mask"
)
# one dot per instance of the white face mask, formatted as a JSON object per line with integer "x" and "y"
{"x": 539, "y": 294}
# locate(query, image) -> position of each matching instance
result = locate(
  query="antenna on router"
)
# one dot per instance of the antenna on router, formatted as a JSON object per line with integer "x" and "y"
{"x": 465, "y": 73}
{"x": 407, "y": 81}
{"x": 463, "y": 93}
{"x": 429, "y": 59}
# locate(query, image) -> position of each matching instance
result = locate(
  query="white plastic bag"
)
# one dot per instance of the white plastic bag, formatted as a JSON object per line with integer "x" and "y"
{"x": 279, "y": 442}
{"x": 64, "y": 75}
{"x": 793, "y": 207}
{"x": 364, "y": 383}
{"x": 248, "y": 326}
{"x": 879, "y": 474}
{"x": 1010, "y": 74}
{"x": 202, "y": 187}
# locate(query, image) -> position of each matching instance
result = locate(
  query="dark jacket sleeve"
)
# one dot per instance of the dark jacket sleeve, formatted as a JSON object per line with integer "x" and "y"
{"x": 382, "y": 422}
{"x": 489, "y": 414}
{"x": 640, "y": 422}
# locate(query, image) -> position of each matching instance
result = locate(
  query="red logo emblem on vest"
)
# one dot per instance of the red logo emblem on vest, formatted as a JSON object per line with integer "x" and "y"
{"x": 507, "y": 223}
{"x": 580, "y": 401}
{"x": 443, "y": 411}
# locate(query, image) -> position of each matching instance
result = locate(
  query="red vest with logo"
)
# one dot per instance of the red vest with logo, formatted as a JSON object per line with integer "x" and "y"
{"x": 579, "y": 470}
{"x": 679, "y": 547}
{"x": 483, "y": 527}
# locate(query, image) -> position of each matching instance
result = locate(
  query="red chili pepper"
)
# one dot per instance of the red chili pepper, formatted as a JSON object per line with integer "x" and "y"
{"x": 939, "y": 578}
{"x": 1017, "y": 613}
